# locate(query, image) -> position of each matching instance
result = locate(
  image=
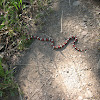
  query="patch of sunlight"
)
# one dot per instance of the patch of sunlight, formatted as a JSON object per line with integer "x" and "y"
{"x": 75, "y": 80}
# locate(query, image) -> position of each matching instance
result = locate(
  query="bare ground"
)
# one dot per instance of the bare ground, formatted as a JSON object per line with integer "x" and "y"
{"x": 64, "y": 74}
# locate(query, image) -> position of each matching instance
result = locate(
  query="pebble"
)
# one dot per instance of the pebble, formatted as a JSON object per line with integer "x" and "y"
{"x": 81, "y": 61}
{"x": 50, "y": 83}
{"x": 54, "y": 67}
{"x": 85, "y": 26}
{"x": 45, "y": 93}
{"x": 82, "y": 24}
{"x": 84, "y": 19}
{"x": 80, "y": 98}
{"x": 76, "y": 3}
{"x": 89, "y": 84}
{"x": 84, "y": 33}
{"x": 80, "y": 30}
{"x": 56, "y": 75}
{"x": 76, "y": 27}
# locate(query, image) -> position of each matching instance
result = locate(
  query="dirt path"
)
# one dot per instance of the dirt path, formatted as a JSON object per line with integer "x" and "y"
{"x": 64, "y": 74}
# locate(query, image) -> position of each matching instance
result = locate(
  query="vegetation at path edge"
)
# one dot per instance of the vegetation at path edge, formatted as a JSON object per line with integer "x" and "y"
{"x": 13, "y": 33}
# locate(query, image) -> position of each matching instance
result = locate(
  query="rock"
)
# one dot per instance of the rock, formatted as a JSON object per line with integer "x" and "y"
{"x": 76, "y": 3}
{"x": 80, "y": 98}
{"x": 84, "y": 33}
{"x": 82, "y": 24}
{"x": 84, "y": 19}
{"x": 77, "y": 27}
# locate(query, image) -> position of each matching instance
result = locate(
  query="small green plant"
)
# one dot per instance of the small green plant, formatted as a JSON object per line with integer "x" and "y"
{"x": 17, "y": 4}
{"x": 11, "y": 17}
{"x": 22, "y": 42}
{"x": 7, "y": 84}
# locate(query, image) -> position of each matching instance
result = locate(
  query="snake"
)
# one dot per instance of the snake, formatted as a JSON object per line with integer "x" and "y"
{"x": 58, "y": 46}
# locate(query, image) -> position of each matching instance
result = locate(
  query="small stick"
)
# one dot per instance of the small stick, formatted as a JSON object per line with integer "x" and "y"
{"x": 61, "y": 21}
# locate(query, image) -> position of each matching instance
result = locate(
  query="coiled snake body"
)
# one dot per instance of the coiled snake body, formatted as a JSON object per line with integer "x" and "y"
{"x": 59, "y": 46}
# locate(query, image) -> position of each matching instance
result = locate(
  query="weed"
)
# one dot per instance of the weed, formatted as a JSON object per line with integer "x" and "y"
{"x": 12, "y": 26}
{"x": 7, "y": 83}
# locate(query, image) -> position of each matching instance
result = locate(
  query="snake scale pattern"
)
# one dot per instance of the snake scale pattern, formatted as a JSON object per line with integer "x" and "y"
{"x": 59, "y": 46}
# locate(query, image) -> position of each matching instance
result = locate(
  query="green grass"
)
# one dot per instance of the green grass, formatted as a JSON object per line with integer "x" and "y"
{"x": 7, "y": 84}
